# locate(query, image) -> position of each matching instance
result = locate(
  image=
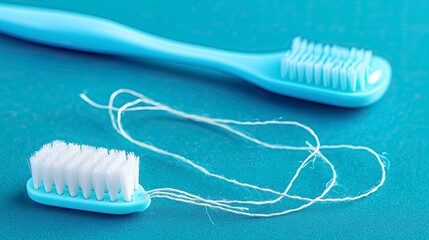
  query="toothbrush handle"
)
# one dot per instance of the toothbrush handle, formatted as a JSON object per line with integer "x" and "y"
{"x": 93, "y": 34}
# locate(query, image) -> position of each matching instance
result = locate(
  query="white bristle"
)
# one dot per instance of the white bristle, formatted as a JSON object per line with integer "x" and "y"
{"x": 59, "y": 174}
{"x": 343, "y": 79}
{"x": 48, "y": 163}
{"x": 98, "y": 178}
{"x": 136, "y": 167}
{"x": 113, "y": 177}
{"x": 326, "y": 73}
{"x": 36, "y": 171}
{"x": 72, "y": 168}
{"x": 127, "y": 184}
{"x": 327, "y": 66}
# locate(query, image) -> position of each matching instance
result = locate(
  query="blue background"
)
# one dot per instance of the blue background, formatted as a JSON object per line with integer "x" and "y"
{"x": 39, "y": 103}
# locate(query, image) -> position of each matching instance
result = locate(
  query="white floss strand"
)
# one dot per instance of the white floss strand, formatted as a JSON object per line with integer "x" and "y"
{"x": 232, "y": 205}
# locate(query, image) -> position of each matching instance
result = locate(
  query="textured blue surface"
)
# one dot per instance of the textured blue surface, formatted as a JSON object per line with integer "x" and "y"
{"x": 39, "y": 103}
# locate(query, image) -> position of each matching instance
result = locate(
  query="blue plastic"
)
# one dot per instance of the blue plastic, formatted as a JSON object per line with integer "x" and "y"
{"x": 139, "y": 203}
{"x": 93, "y": 34}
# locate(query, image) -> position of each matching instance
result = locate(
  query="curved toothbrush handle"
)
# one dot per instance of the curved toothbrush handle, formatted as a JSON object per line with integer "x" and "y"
{"x": 93, "y": 34}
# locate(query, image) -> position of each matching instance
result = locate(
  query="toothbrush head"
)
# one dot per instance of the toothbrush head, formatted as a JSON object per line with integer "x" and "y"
{"x": 330, "y": 74}
{"x": 86, "y": 178}
{"x": 333, "y": 67}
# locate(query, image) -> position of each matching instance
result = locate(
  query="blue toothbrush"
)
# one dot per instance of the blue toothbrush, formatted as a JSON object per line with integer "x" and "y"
{"x": 86, "y": 178}
{"x": 334, "y": 75}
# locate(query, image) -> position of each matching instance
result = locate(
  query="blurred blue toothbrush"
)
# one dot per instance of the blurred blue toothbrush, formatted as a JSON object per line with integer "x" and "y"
{"x": 328, "y": 74}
